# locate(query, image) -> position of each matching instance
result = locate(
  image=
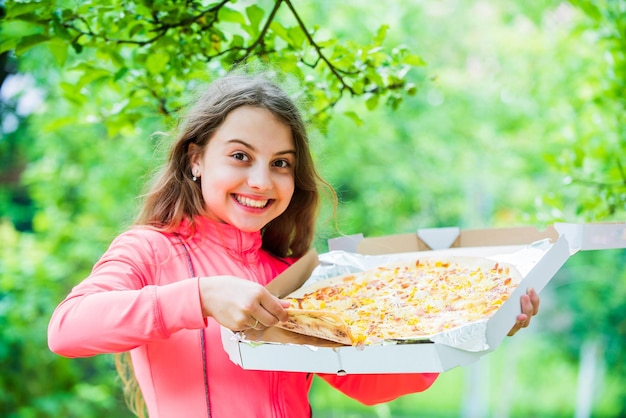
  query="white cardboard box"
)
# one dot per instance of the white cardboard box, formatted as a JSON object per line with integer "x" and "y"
{"x": 537, "y": 254}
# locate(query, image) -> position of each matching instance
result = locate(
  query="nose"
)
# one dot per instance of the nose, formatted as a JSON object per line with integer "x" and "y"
{"x": 260, "y": 177}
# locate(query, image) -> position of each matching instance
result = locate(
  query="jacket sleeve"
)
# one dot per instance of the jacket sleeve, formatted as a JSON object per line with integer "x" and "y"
{"x": 119, "y": 307}
{"x": 372, "y": 389}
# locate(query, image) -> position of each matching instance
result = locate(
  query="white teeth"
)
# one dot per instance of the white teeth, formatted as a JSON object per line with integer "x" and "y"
{"x": 246, "y": 201}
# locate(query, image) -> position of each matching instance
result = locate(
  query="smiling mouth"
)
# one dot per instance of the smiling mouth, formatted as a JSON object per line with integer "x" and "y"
{"x": 251, "y": 203}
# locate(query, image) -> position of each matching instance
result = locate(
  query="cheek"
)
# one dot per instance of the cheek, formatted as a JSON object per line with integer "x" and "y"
{"x": 224, "y": 174}
{"x": 216, "y": 185}
{"x": 289, "y": 187}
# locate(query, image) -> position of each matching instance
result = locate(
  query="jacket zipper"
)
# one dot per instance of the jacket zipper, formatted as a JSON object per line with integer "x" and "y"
{"x": 245, "y": 263}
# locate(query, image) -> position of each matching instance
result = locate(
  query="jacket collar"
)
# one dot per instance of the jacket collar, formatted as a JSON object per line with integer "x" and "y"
{"x": 223, "y": 234}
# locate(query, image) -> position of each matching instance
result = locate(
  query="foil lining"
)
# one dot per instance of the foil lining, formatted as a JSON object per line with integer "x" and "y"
{"x": 470, "y": 337}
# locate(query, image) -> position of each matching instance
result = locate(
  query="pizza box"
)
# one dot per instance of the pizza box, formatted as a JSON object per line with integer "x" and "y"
{"x": 538, "y": 255}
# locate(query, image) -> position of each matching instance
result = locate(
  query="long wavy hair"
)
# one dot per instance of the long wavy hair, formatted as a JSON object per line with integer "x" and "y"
{"x": 174, "y": 197}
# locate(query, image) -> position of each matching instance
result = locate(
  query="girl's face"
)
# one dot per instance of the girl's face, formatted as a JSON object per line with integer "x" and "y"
{"x": 247, "y": 169}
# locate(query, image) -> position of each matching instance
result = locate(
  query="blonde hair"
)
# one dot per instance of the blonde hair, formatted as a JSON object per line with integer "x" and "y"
{"x": 175, "y": 197}
{"x": 132, "y": 392}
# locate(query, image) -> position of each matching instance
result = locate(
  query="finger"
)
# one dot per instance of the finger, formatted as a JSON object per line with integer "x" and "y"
{"x": 265, "y": 317}
{"x": 526, "y": 306}
{"x": 519, "y": 324}
{"x": 273, "y": 310}
{"x": 534, "y": 299}
{"x": 262, "y": 306}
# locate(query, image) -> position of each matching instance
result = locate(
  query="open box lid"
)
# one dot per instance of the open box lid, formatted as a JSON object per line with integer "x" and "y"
{"x": 595, "y": 236}
{"x": 576, "y": 237}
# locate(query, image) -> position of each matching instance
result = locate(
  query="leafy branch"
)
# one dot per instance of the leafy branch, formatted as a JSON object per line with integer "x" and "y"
{"x": 208, "y": 19}
{"x": 606, "y": 185}
{"x": 150, "y": 55}
{"x": 161, "y": 28}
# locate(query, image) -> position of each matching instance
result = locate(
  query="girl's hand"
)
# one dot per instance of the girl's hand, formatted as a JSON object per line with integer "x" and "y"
{"x": 530, "y": 306}
{"x": 240, "y": 304}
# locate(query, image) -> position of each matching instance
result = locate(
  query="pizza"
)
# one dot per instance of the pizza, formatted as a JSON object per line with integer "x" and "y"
{"x": 402, "y": 301}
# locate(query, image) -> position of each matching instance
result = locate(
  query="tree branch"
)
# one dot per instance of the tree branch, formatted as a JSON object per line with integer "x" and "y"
{"x": 260, "y": 39}
{"x": 334, "y": 70}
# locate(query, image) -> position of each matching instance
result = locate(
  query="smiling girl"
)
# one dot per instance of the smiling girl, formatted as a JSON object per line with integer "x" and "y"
{"x": 234, "y": 206}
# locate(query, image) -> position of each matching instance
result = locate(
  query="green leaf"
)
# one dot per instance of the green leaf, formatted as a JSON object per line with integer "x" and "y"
{"x": 28, "y": 42}
{"x": 17, "y": 10}
{"x": 227, "y": 14}
{"x": 237, "y": 41}
{"x": 157, "y": 63}
{"x": 358, "y": 86}
{"x": 136, "y": 29}
{"x": 354, "y": 117}
{"x": 8, "y": 44}
{"x": 414, "y": 60}
{"x": 77, "y": 47}
{"x": 372, "y": 102}
{"x": 59, "y": 50}
{"x": 296, "y": 37}
{"x": 120, "y": 74}
{"x": 375, "y": 77}
{"x": 94, "y": 74}
{"x": 381, "y": 34}
{"x": 255, "y": 15}
{"x": 279, "y": 30}
{"x": 589, "y": 8}
{"x": 394, "y": 101}
{"x": 411, "y": 89}
{"x": 58, "y": 29}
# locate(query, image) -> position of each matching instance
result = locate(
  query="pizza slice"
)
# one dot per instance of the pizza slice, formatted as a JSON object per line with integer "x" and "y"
{"x": 327, "y": 325}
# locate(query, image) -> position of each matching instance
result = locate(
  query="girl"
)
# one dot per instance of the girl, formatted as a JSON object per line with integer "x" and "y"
{"x": 234, "y": 206}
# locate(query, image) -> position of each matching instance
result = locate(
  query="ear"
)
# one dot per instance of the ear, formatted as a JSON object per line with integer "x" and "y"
{"x": 195, "y": 157}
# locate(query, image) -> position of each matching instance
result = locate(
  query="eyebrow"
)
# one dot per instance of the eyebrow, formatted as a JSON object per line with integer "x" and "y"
{"x": 253, "y": 148}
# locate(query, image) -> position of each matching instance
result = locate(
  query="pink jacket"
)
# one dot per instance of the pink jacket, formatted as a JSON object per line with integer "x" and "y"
{"x": 140, "y": 297}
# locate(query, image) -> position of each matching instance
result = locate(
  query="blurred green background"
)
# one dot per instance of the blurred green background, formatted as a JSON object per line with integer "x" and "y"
{"x": 475, "y": 114}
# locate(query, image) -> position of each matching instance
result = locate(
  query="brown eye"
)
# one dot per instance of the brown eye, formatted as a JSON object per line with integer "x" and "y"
{"x": 282, "y": 164}
{"x": 240, "y": 156}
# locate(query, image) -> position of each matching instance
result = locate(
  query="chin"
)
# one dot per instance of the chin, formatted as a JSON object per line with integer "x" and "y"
{"x": 249, "y": 229}
{"x": 246, "y": 227}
